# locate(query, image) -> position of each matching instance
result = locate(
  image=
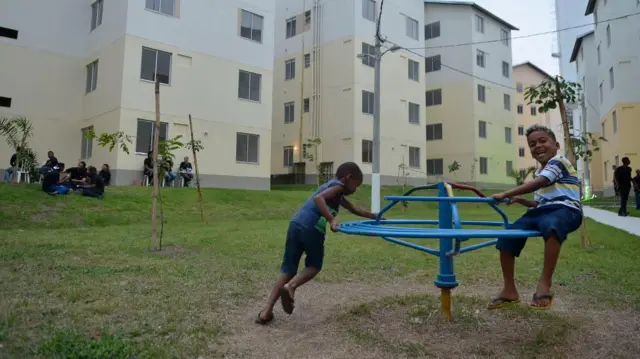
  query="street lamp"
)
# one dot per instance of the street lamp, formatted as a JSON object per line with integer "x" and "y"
{"x": 375, "y": 168}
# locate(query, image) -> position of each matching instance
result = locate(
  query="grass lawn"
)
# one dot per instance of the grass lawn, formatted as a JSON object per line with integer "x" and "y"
{"x": 612, "y": 204}
{"x": 77, "y": 281}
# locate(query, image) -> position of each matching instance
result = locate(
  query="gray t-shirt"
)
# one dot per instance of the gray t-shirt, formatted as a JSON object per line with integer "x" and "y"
{"x": 308, "y": 216}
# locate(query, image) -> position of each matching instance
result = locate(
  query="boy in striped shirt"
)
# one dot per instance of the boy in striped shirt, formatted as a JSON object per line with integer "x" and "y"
{"x": 555, "y": 212}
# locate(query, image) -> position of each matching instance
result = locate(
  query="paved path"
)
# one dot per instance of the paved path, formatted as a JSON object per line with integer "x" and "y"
{"x": 628, "y": 224}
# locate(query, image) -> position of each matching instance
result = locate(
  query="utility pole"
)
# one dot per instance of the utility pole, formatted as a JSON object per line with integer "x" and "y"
{"x": 375, "y": 173}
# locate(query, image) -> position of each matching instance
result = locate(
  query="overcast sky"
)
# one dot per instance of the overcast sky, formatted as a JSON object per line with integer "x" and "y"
{"x": 530, "y": 16}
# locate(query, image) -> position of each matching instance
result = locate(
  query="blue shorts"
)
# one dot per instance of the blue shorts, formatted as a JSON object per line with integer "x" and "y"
{"x": 302, "y": 240}
{"x": 549, "y": 219}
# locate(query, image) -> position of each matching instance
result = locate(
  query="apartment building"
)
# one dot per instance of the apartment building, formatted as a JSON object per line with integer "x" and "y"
{"x": 95, "y": 69}
{"x": 324, "y": 83}
{"x": 618, "y": 61}
{"x": 469, "y": 94}
{"x": 529, "y": 75}
{"x": 585, "y": 59}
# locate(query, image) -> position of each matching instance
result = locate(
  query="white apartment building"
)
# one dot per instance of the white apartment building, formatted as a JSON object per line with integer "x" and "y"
{"x": 73, "y": 65}
{"x": 317, "y": 47}
{"x": 469, "y": 94}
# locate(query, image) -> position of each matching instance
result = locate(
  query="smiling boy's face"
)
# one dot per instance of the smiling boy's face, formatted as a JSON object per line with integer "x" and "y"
{"x": 542, "y": 146}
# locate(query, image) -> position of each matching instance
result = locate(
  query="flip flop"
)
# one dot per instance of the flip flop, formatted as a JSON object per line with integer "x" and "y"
{"x": 261, "y": 321}
{"x": 537, "y": 298}
{"x": 498, "y": 303}
{"x": 286, "y": 300}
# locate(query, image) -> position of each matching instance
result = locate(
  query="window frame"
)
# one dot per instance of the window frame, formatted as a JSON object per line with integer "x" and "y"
{"x": 367, "y": 7}
{"x": 291, "y": 27}
{"x": 249, "y": 92}
{"x": 370, "y": 98}
{"x": 429, "y": 30}
{"x": 412, "y": 28}
{"x": 482, "y": 129}
{"x": 433, "y": 95}
{"x": 481, "y": 60}
{"x": 486, "y": 165}
{"x": 413, "y": 69}
{"x": 366, "y": 147}
{"x": 91, "y": 81}
{"x": 432, "y": 64}
{"x": 86, "y": 144}
{"x": 97, "y": 12}
{"x": 288, "y": 158}
{"x": 432, "y": 167}
{"x": 155, "y": 70}
{"x": 482, "y": 93}
{"x": 249, "y": 136}
{"x": 434, "y": 133}
{"x": 506, "y": 99}
{"x": 160, "y": 8}
{"x": 479, "y": 24}
{"x": 508, "y": 135}
{"x": 290, "y": 69}
{"x": 251, "y": 28}
{"x": 289, "y": 111}
{"x": 152, "y": 134}
{"x": 413, "y": 152}
{"x": 414, "y": 109}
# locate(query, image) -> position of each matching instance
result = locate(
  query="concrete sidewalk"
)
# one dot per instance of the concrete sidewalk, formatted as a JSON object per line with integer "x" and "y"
{"x": 628, "y": 224}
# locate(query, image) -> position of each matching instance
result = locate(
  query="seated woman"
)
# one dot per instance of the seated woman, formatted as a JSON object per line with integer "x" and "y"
{"x": 95, "y": 184}
{"x": 105, "y": 174}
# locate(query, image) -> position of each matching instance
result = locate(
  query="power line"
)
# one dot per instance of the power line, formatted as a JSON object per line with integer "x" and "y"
{"x": 526, "y": 36}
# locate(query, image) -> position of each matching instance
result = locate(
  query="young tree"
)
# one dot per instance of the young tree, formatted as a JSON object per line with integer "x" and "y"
{"x": 453, "y": 168}
{"x": 556, "y": 93}
{"x": 17, "y": 132}
{"x": 310, "y": 152}
{"x": 520, "y": 177}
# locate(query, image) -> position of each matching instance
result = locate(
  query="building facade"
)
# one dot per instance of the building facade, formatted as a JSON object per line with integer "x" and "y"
{"x": 617, "y": 55}
{"x": 323, "y": 88}
{"x": 96, "y": 70}
{"x": 529, "y": 75}
{"x": 470, "y": 93}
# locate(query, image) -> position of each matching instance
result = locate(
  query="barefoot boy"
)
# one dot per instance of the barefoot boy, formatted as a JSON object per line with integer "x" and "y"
{"x": 306, "y": 234}
{"x": 555, "y": 212}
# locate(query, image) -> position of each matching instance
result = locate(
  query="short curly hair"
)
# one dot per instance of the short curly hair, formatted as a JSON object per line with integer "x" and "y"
{"x": 536, "y": 128}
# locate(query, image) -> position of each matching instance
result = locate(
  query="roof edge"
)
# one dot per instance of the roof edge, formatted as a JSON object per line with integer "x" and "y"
{"x": 591, "y": 6}
{"x": 577, "y": 44}
{"x": 533, "y": 66}
{"x": 476, "y": 6}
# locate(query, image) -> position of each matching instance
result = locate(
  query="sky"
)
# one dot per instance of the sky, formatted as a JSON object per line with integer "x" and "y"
{"x": 530, "y": 16}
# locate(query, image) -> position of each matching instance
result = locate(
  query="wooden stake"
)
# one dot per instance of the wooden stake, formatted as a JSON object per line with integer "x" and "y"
{"x": 156, "y": 139}
{"x": 585, "y": 241}
{"x": 195, "y": 163}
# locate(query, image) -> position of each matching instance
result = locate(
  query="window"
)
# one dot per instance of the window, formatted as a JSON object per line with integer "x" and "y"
{"x": 481, "y": 93}
{"x": 479, "y": 24}
{"x": 249, "y": 85}
{"x": 247, "y": 147}
{"x": 504, "y": 37}
{"x": 166, "y": 7}
{"x": 369, "y": 10}
{"x": 86, "y": 149}
{"x": 434, "y": 132}
{"x": 600, "y": 90}
{"x": 307, "y": 60}
{"x": 367, "y": 102}
{"x": 251, "y": 26}
{"x": 614, "y": 116}
{"x": 507, "y": 134}
{"x": 521, "y": 152}
{"x": 612, "y": 82}
{"x": 5, "y": 101}
{"x": 306, "y": 105}
{"x": 608, "y": 36}
{"x": 505, "y": 69}
{"x": 368, "y": 55}
{"x": 307, "y": 18}
{"x": 367, "y": 151}
{"x": 412, "y": 28}
{"x": 480, "y": 58}
{"x": 414, "y": 113}
{"x": 289, "y": 112}
{"x": 534, "y": 111}
{"x": 414, "y": 70}
{"x": 414, "y": 157}
{"x": 519, "y": 87}
{"x": 598, "y": 52}
{"x": 484, "y": 166}
{"x": 603, "y": 128}
{"x": 509, "y": 165}
{"x": 291, "y": 27}
{"x": 155, "y": 62}
{"x": 520, "y": 130}
{"x": 432, "y": 30}
{"x": 8, "y": 33}
{"x": 96, "y": 14}
{"x": 507, "y": 102}
{"x": 433, "y": 97}
{"x": 145, "y": 134}
{"x": 290, "y": 69}
{"x": 92, "y": 77}
{"x": 482, "y": 129}
{"x": 435, "y": 167}
{"x": 287, "y": 156}
{"x": 520, "y": 109}
{"x": 432, "y": 63}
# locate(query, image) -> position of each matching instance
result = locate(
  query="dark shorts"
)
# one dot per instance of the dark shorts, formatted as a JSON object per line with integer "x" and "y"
{"x": 302, "y": 240}
{"x": 550, "y": 219}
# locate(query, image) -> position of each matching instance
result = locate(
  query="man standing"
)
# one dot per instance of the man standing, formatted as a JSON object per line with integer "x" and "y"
{"x": 622, "y": 176}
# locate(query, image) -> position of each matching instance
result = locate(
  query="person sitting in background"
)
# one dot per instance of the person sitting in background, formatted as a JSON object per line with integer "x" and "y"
{"x": 77, "y": 176}
{"x": 105, "y": 174}
{"x": 167, "y": 165}
{"x": 51, "y": 162}
{"x": 51, "y": 183}
{"x": 95, "y": 185}
{"x": 185, "y": 171}
{"x": 13, "y": 162}
{"x": 148, "y": 167}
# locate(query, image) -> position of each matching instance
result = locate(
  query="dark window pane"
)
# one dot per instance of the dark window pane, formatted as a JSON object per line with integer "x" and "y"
{"x": 164, "y": 66}
{"x": 148, "y": 64}
{"x": 241, "y": 147}
{"x": 254, "y": 84}
{"x": 167, "y": 7}
{"x": 143, "y": 136}
{"x": 253, "y": 148}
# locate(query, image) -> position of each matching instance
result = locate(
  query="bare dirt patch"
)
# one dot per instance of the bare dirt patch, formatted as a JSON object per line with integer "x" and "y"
{"x": 403, "y": 320}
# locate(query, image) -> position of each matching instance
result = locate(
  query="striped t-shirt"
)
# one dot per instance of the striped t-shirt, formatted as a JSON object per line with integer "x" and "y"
{"x": 564, "y": 186}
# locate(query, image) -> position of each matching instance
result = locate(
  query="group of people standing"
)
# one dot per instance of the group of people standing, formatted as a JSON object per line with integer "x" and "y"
{"x": 623, "y": 182}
